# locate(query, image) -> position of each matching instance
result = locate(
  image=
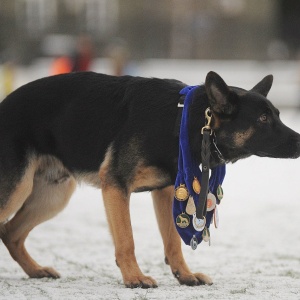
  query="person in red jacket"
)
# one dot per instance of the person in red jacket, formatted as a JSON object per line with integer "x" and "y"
{"x": 80, "y": 60}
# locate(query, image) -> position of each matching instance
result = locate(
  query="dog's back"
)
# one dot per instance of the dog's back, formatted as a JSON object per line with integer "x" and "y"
{"x": 80, "y": 113}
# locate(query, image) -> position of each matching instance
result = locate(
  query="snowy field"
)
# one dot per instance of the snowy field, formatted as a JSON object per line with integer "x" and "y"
{"x": 255, "y": 253}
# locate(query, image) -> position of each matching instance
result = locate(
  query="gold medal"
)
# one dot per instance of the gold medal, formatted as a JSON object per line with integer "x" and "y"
{"x": 183, "y": 220}
{"x": 211, "y": 202}
{"x": 196, "y": 186}
{"x": 181, "y": 193}
{"x": 190, "y": 206}
{"x": 220, "y": 192}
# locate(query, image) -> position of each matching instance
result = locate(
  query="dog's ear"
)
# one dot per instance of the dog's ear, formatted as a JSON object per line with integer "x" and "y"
{"x": 221, "y": 99}
{"x": 264, "y": 86}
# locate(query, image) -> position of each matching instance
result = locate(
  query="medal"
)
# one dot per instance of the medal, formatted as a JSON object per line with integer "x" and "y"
{"x": 206, "y": 234}
{"x": 181, "y": 193}
{"x": 211, "y": 202}
{"x": 194, "y": 242}
{"x": 190, "y": 206}
{"x": 220, "y": 192}
{"x": 216, "y": 217}
{"x": 196, "y": 186}
{"x": 183, "y": 220}
{"x": 198, "y": 224}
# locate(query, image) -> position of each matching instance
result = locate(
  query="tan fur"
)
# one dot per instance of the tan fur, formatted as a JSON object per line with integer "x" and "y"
{"x": 43, "y": 192}
{"x": 104, "y": 167}
{"x": 215, "y": 122}
{"x": 21, "y": 192}
{"x": 162, "y": 200}
{"x": 92, "y": 179}
{"x": 118, "y": 215}
{"x": 147, "y": 176}
{"x": 241, "y": 137}
{"x": 117, "y": 209}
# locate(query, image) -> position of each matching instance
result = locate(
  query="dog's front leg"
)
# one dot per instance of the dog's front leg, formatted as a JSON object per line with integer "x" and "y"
{"x": 118, "y": 215}
{"x": 162, "y": 200}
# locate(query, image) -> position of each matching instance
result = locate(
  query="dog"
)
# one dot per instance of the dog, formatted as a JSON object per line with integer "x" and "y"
{"x": 118, "y": 134}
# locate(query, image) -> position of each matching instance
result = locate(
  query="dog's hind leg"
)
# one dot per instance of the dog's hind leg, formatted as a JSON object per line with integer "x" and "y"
{"x": 162, "y": 200}
{"x": 45, "y": 201}
{"x": 14, "y": 192}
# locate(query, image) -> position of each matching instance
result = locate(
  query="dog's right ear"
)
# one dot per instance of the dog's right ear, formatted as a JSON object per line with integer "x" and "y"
{"x": 221, "y": 99}
{"x": 264, "y": 86}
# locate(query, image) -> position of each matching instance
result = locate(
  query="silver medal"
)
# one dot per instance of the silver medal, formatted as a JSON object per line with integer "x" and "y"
{"x": 194, "y": 242}
{"x": 216, "y": 217}
{"x": 220, "y": 193}
{"x": 198, "y": 224}
{"x": 206, "y": 235}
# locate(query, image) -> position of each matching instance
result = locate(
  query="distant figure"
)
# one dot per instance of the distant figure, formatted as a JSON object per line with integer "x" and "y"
{"x": 119, "y": 54}
{"x": 83, "y": 55}
{"x": 8, "y": 77}
{"x": 61, "y": 65}
{"x": 79, "y": 60}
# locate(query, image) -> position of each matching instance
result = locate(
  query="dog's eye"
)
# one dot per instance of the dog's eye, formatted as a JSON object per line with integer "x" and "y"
{"x": 263, "y": 118}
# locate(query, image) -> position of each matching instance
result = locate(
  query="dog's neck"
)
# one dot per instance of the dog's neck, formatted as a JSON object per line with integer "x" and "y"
{"x": 191, "y": 182}
{"x": 196, "y": 121}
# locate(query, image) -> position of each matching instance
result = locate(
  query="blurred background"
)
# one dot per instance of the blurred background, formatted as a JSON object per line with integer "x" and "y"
{"x": 243, "y": 40}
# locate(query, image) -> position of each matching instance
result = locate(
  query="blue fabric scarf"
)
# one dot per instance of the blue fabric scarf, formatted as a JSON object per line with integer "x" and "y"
{"x": 188, "y": 170}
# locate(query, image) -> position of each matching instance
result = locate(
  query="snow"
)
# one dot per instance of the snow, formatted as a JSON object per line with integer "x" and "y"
{"x": 255, "y": 253}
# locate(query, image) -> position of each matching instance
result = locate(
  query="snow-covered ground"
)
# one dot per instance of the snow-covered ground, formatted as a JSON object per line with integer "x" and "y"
{"x": 255, "y": 253}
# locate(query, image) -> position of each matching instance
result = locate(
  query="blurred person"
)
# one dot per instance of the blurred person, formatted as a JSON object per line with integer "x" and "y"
{"x": 61, "y": 65}
{"x": 119, "y": 54}
{"x": 79, "y": 60}
{"x": 8, "y": 71}
{"x": 82, "y": 57}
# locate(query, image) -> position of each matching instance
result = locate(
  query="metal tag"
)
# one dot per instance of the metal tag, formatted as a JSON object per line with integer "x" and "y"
{"x": 206, "y": 235}
{"x": 220, "y": 193}
{"x": 198, "y": 224}
{"x": 194, "y": 242}
{"x": 216, "y": 217}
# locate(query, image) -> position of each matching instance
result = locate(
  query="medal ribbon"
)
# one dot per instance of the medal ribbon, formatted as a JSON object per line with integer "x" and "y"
{"x": 188, "y": 171}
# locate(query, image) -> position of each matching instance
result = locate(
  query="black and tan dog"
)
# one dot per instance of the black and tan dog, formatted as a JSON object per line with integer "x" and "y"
{"x": 117, "y": 133}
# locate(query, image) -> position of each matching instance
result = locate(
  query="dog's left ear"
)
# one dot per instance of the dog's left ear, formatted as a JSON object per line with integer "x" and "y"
{"x": 264, "y": 86}
{"x": 221, "y": 99}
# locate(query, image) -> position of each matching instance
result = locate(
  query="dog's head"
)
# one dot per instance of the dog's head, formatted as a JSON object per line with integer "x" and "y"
{"x": 246, "y": 123}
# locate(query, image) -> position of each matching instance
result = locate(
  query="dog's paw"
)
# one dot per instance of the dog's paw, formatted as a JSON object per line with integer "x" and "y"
{"x": 144, "y": 282}
{"x": 193, "y": 279}
{"x": 44, "y": 272}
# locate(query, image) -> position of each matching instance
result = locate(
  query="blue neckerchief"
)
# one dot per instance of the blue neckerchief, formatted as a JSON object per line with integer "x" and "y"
{"x": 188, "y": 170}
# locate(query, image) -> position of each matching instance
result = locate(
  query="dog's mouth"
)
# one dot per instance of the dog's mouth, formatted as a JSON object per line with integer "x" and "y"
{"x": 264, "y": 154}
